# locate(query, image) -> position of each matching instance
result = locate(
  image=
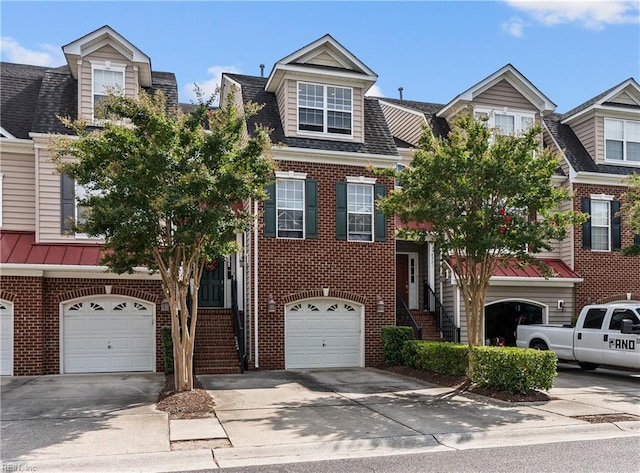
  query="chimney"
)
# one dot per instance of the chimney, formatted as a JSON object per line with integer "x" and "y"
{"x": 400, "y": 89}
{"x": 261, "y": 70}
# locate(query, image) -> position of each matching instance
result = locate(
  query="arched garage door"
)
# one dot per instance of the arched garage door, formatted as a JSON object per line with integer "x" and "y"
{"x": 324, "y": 333}
{"x": 108, "y": 334}
{"x": 6, "y": 338}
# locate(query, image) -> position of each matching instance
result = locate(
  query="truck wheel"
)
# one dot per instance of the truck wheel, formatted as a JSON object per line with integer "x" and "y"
{"x": 588, "y": 366}
{"x": 539, "y": 345}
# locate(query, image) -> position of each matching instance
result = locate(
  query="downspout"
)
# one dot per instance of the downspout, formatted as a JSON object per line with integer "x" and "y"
{"x": 255, "y": 282}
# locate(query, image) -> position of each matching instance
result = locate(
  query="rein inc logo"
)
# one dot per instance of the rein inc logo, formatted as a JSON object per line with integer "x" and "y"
{"x": 622, "y": 344}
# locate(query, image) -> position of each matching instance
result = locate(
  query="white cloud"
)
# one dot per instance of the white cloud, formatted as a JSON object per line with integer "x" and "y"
{"x": 514, "y": 26}
{"x": 12, "y": 51}
{"x": 374, "y": 91}
{"x": 591, "y": 14}
{"x": 210, "y": 85}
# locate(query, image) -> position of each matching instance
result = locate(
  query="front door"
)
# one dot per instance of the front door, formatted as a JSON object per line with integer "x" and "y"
{"x": 402, "y": 277}
{"x": 211, "y": 292}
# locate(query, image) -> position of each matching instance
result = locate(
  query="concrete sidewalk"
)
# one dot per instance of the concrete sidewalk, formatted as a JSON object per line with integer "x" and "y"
{"x": 108, "y": 423}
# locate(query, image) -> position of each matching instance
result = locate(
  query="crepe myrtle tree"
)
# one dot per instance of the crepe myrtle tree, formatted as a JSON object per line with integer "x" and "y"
{"x": 160, "y": 190}
{"x": 631, "y": 209}
{"x": 487, "y": 198}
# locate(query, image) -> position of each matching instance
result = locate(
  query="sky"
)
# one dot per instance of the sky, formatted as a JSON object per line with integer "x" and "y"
{"x": 570, "y": 50}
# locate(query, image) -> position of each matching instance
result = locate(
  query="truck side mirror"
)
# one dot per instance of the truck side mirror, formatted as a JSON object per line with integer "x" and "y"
{"x": 626, "y": 326}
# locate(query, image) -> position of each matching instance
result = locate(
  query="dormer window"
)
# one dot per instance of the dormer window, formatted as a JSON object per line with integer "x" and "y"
{"x": 106, "y": 77}
{"x": 325, "y": 109}
{"x": 622, "y": 140}
{"x": 507, "y": 121}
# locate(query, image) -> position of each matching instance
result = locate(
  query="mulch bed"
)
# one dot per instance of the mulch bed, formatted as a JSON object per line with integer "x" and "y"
{"x": 193, "y": 404}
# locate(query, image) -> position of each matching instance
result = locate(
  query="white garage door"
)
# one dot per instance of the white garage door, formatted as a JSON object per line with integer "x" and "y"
{"x": 323, "y": 333}
{"x": 108, "y": 335}
{"x": 6, "y": 338}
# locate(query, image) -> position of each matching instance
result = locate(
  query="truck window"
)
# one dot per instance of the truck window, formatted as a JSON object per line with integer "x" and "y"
{"x": 619, "y": 315}
{"x": 594, "y": 318}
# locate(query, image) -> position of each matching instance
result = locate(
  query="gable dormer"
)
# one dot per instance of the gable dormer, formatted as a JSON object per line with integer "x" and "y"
{"x": 320, "y": 91}
{"x": 506, "y": 97}
{"x": 104, "y": 59}
{"x": 608, "y": 125}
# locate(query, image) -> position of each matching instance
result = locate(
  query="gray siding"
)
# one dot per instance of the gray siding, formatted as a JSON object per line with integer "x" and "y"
{"x": 403, "y": 124}
{"x": 586, "y": 133}
{"x": 18, "y": 191}
{"x": 504, "y": 95}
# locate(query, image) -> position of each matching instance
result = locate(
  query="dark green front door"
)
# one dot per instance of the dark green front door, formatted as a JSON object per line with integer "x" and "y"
{"x": 212, "y": 285}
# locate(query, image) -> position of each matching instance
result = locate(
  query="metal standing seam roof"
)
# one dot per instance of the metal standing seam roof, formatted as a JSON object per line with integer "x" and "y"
{"x": 21, "y": 248}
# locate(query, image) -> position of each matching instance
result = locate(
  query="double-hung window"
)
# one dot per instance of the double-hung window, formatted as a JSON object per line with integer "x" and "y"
{"x": 360, "y": 212}
{"x": 506, "y": 121}
{"x": 290, "y": 208}
{"x": 602, "y": 231}
{"x": 622, "y": 140}
{"x": 105, "y": 78}
{"x": 325, "y": 108}
{"x": 357, "y": 218}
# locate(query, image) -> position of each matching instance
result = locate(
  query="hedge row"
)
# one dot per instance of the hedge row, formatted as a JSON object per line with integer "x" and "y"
{"x": 509, "y": 369}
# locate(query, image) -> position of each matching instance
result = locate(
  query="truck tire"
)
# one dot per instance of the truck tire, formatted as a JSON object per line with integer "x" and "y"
{"x": 538, "y": 345}
{"x": 588, "y": 366}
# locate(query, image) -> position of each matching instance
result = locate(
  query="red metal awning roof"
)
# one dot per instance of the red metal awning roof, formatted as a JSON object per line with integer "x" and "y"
{"x": 411, "y": 225}
{"x": 514, "y": 270}
{"x": 21, "y": 248}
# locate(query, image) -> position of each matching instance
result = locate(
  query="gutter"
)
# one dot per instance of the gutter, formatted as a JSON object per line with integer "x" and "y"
{"x": 255, "y": 283}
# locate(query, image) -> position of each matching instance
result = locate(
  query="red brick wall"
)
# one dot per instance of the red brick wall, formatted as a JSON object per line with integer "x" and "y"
{"x": 36, "y": 305}
{"x": 289, "y": 266}
{"x": 26, "y": 294}
{"x": 606, "y": 274}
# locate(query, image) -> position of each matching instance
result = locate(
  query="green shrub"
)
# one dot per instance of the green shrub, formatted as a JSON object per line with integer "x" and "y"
{"x": 393, "y": 338}
{"x": 440, "y": 357}
{"x": 167, "y": 349}
{"x": 513, "y": 370}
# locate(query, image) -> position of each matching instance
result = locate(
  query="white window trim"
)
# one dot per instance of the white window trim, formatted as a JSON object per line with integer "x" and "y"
{"x": 624, "y": 161}
{"x": 517, "y": 114}
{"x": 304, "y": 207}
{"x": 367, "y": 181}
{"x": 106, "y": 66}
{"x": 325, "y": 110}
{"x": 290, "y": 175}
{"x": 606, "y": 199}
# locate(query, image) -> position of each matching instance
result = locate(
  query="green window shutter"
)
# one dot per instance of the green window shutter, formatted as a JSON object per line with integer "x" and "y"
{"x": 380, "y": 219}
{"x": 269, "y": 207}
{"x": 586, "y": 226}
{"x": 341, "y": 210}
{"x": 311, "y": 208}
{"x": 636, "y": 240}
{"x": 67, "y": 203}
{"x": 616, "y": 226}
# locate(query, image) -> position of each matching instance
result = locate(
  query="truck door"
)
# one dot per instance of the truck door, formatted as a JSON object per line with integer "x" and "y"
{"x": 621, "y": 349}
{"x": 588, "y": 342}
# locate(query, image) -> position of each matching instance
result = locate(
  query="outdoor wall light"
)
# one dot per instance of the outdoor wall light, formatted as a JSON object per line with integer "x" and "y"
{"x": 379, "y": 304}
{"x": 271, "y": 305}
{"x": 164, "y": 305}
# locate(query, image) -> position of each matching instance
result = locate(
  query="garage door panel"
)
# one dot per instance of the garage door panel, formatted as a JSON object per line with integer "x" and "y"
{"x": 108, "y": 336}
{"x": 323, "y": 334}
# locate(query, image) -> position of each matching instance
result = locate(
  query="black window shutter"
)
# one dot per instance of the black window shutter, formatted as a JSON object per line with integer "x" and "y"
{"x": 311, "y": 208}
{"x": 616, "y": 226}
{"x": 67, "y": 204}
{"x": 636, "y": 240}
{"x": 586, "y": 226}
{"x": 380, "y": 219}
{"x": 269, "y": 206}
{"x": 341, "y": 210}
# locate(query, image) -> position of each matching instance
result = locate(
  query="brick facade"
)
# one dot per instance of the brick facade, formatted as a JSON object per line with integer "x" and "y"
{"x": 607, "y": 274}
{"x": 292, "y": 269}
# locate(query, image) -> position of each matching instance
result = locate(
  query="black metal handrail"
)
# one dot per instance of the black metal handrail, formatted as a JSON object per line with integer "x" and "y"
{"x": 405, "y": 319}
{"x": 238, "y": 325}
{"x": 444, "y": 322}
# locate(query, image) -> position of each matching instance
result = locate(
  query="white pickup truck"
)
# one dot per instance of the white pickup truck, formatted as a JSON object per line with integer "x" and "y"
{"x": 604, "y": 334}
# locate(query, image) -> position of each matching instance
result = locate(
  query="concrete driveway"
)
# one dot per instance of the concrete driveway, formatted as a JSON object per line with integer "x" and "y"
{"x": 51, "y": 417}
{"x": 291, "y": 413}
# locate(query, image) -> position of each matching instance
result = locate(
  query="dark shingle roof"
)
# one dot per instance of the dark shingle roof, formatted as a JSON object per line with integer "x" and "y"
{"x": 19, "y": 91}
{"x": 592, "y": 101}
{"x": 438, "y": 125}
{"x": 32, "y": 97}
{"x": 377, "y": 137}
